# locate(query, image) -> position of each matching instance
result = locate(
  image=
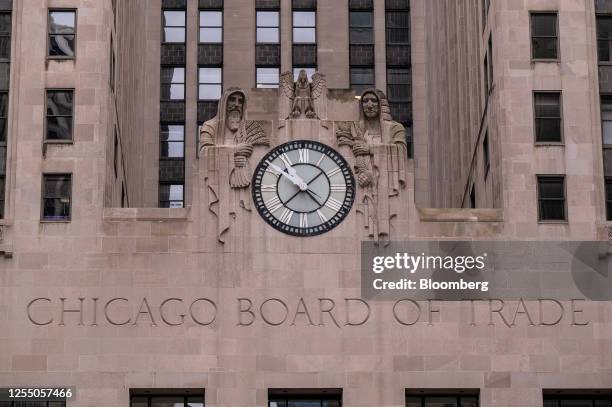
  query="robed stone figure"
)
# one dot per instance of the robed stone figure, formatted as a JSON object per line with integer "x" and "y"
{"x": 226, "y": 145}
{"x": 379, "y": 146}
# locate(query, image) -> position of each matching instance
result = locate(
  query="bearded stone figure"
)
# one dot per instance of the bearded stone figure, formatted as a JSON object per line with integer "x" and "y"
{"x": 226, "y": 143}
{"x": 379, "y": 146}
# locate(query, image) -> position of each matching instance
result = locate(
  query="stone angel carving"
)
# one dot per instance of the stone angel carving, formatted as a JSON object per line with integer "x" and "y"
{"x": 302, "y": 93}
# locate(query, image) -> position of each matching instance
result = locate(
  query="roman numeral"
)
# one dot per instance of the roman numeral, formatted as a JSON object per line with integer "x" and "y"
{"x": 286, "y": 215}
{"x": 304, "y": 155}
{"x": 303, "y": 220}
{"x": 333, "y": 204}
{"x": 321, "y": 216}
{"x": 274, "y": 204}
{"x": 269, "y": 188}
{"x": 334, "y": 172}
{"x": 286, "y": 160}
{"x": 338, "y": 187}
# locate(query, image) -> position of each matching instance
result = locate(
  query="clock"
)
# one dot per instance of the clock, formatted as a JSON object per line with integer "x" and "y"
{"x": 303, "y": 188}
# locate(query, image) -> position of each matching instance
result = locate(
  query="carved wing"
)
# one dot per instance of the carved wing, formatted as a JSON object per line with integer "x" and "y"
{"x": 255, "y": 134}
{"x": 319, "y": 83}
{"x": 287, "y": 84}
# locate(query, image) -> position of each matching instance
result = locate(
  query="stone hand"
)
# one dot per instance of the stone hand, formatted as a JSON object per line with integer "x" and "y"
{"x": 361, "y": 149}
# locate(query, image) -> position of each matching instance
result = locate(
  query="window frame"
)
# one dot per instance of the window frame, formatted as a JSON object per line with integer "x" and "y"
{"x": 8, "y": 35}
{"x": 598, "y": 38}
{"x": 210, "y": 83}
{"x": 45, "y": 125}
{"x": 149, "y": 397}
{"x": 539, "y": 199}
{"x": 557, "y": 36}
{"x": 162, "y": 39}
{"x": 70, "y": 176}
{"x": 161, "y": 157}
{"x": 267, "y": 87}
{"x": 49, "y": 34}
{"x": 561, "y": 141}
{"x": 200, "y": 26}
{"x": 272, "y": 10}
{"x": 184, "y": 83}
{"x": 293, "y": 27}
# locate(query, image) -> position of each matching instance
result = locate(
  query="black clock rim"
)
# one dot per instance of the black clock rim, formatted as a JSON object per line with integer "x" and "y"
{"x": 328, "y": 227}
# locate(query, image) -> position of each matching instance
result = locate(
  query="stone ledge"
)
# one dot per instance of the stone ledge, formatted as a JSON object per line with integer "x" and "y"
{"x": 460, "y": 215}
{"x": 146, "y": 214}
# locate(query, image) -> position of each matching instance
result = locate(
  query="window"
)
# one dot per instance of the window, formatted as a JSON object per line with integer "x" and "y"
{"x": 211, "y": 27}
{"x": 5, "y": 35}
{"x": 305, "y": 398}
{"x": 171, "y": 195}
{"x": 57, "y": 197}
{"x": 608, "y": 198}
{"x": 172, "y": 83}
{"x": 551, "y": 198}
{"x": 60, "y": 107}
{"x": 397, "y": 27}
{"x": 361, "y": 37}
{"x": 172, "y": 139}
{"x": 4, "y": 104}
{"x": 165, "y": 401}
{"x": 173, "y": 23}
{"x": 544, "y": 36}
{"x": 268, "y": 27}
{"x": 547, "y": 108}
{"x": 209, "y": 83}
{"x": 399, "y": 91}
{"x": 268, "y": 77}
{"x": 606, "y": 120}
{"x": 584, "y": 398}
{"x": 362, "y": 79}
{"x": 442, "y": 401}
{"x": 486, "y": 155}
{"x": 304, "y": 27}
{"x": 604, "y": 38}
{"x": 62, "y": 34}
{"x": 3, "y": 144}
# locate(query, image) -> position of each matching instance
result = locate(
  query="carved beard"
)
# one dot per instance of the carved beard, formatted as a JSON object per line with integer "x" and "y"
{"x": 234, "y": 117}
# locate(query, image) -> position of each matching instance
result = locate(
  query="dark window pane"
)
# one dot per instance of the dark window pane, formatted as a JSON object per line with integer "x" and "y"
{"x": 398, "y": 19}
{"x": 362, "y": 76}
{"x": 603, "y": 50}
{"x": 544, "y": 25}
{"x": 361, "y": 36}
{"x": 551, "y": 198}
{"x": 608, "y": 199}
{"x": 3, "y": 104}
{"x": 5, "y": 23}
{"x": 544, "y": 48}
{"x": 56, "y": 197}
{"x": 59, "y": 103}
{"x": 548, "y": 130}
{"x": 3, "y": 130}
{"x": 604, "y": 27}
{"x": 361, "y": 19}
{"x": 548, "y": 104}
{"x": 59, "y": 128}
{"x": 61, "y": 45}
{"x": 5, "y": 46}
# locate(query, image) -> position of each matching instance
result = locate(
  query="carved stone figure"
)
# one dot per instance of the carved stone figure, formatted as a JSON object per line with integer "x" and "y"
{"x": 379, "y": 146}
{"x": 302, "y": 93}
{"x": 227, "y": 142}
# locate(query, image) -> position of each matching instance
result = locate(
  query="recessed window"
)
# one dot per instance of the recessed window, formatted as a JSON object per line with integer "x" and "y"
{"x": 399, "y": 91}
{"x": 362, "y": 79}
{"x": 268, "y": 27}
{"x": 172, "y": 139}
{"x": 173, "y": 30}
{"x": 398, "y": 27}
{"x": 577, "y": 398}
{"x": 442, "y": 401}
{"x": 57, "y": 197}
{"x": 62, "y": 34}
{"x": 547, "y": 112}
{"x": 4, "y": 104}
{"x": 544, "y": 36}
{"x": 551, "y": 198}
{"x": 267, "y": 77}
{"x": 172, "y": 83}
{"x": 209, "y": 83}
{"x": 604, "y": 38}
{"x": 60, "y": 110}
{"x": 171, "y": 195}
{"x": 305, "y": 398}
{"x": 304, "y": 27}
{"x": 5, "y": 35}
{"x": 166, "y": 401}
{"x": 361, "y": 27}
{"x": 606, "y": 120}
{"x": 211, "y": 27}
{"x": 608, "y": 198}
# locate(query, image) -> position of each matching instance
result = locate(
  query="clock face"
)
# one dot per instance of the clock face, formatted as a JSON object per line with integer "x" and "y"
{"x": 303, "y": 188}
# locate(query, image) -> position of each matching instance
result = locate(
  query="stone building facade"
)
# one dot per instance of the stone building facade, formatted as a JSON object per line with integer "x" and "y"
{"x": 129, "y": 302}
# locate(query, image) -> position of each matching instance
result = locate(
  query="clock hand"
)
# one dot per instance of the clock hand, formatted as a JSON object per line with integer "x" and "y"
{"x": 295, "y": 179}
